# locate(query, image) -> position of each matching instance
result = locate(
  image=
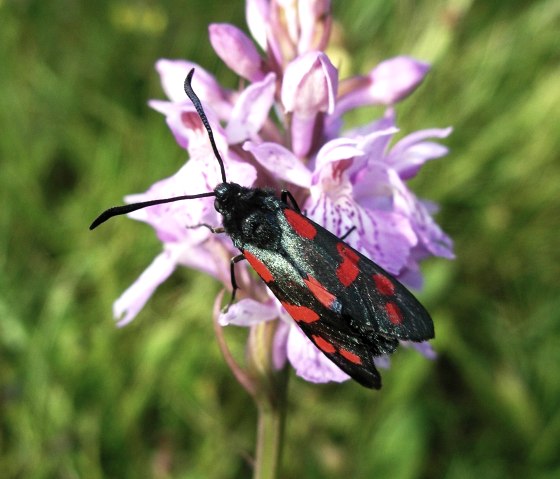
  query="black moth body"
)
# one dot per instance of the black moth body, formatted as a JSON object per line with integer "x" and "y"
{"x": 347, "y": 305}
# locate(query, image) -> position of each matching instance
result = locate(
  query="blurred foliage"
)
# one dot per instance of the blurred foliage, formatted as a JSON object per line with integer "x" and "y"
{"x": 80, "y": 398}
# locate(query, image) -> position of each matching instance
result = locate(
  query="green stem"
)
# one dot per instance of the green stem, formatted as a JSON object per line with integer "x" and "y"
{"x": 270, "y": 432}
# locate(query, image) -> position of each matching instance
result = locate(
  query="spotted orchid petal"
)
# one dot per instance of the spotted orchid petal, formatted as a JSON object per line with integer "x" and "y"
{"x": 430, "y": 235}
{"x": 376, "y": 234}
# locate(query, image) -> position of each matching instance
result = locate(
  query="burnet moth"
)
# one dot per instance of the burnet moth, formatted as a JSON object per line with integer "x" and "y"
{"x": 348, "y": 306}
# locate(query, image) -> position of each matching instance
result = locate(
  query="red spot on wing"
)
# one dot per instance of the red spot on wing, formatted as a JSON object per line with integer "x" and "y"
{"x": 320, "y": 292}
{"x": 348, "y": 270}
{"x": 394, "y": 313}
{"x": 353, "y": 358}
{"x": 384, "y": 285}
{"x": 259, "y": 267}
{"x": 300, "y": 224}
{"x": 301, "y": 313}
{"x": 323, "y": 344}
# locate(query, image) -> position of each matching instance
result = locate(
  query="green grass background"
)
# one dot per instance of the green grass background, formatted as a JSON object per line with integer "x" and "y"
{"x": 80, "y": 398}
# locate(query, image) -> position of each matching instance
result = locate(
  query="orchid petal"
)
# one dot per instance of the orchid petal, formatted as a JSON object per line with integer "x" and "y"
{"x": 173, "y": 73}
{"x": 309, "y": 85}
{"x": 388, "y": 83}
{"x": 385, "y": 237}
{"x": 337, "y": 150}
{"x": 382, "y": 362}
{"x": 129, "y": 304}
{"x": 394, "y": 79}
{"x": 251, "y": 110}
{"x": 410, "y": 153}
{"x": 248, "y": 312}
{"x": 424, "y": 348}
{"x": 236, "y": 50}
{"x": 309, "y": 88}
{"x": 429, "y": 233}
{"x": 315, "y": 23}
{"x": 310, "y": 363}
{"x": 280, "y": 161}
{"x": 257, "y": 14}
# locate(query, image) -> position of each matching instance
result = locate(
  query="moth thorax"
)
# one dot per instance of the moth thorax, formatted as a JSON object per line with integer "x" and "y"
{"x": 260, "y": 229}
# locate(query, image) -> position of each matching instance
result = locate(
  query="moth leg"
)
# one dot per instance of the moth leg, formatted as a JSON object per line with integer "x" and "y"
{"x": 286, "y": 196}
{"x": 345, "y": 235}
{"x": 213, "y": 229}
{"x": 234, "y": 287}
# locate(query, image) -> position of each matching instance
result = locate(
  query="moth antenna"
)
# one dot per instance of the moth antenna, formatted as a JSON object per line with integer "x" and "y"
{"x": 196, "y": 102}
{"x": 125, "y": 209}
